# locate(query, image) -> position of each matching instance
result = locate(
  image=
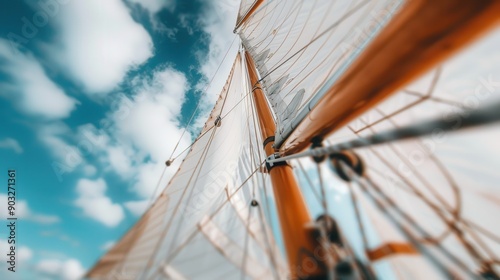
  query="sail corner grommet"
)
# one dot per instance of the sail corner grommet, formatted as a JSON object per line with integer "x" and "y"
{"x": 254, "y": 203}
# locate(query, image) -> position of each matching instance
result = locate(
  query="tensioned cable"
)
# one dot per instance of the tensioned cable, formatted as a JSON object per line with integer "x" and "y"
{"x": 210, "y": 128}
{"x": 200, "y": 99}
{"x": 256, "y": 129}
{"x": 202, "y": 161}
{"x": 268, "y": 242}
{"x": 486, "y": 115}
{"x": 324, "y": 202}
{"x": 455, "y": 229}
{"x": 379, "y": 204}
{"x": 245, "y": 251}
{"x": 153, "y": 195}
{"x": 175, "y": 251}
{"x": 355, "y": 205}
{"x": 193, "y": 186}
{"x": 167, "y": 227}
{"x": 309, "y": 181}
{"x": 335, "y": 24}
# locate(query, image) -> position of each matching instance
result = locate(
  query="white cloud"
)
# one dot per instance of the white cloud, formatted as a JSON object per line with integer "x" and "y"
{"x": 67, "y": 156}
{"x": 120, "y": 161}
{"x": 137, "y": 208}
{"x": 61, "y": 236}
{"x": 95, "y": 204}
{"x": 145, "y": 129}
{"x": 89, "y": 170}
{"x": 218, "y": 20}
{"x": 44, "y": 219}
{"x": 24, "y": 212}
{"x": 65, "y": 270}
{"x": 108, "y": 245}
{"x": 140, "y": 133}
{"x": 154, "y": 6}
{"x": 31, "y": 90}
{"x": 23, "y": 253}
{"x": 138, "y": 136}
{"x": 186, "y": 21}
{"x": 9, "y": 143}
{"x": 147, "y": 177}
{"x": 99, "y": 42}
{"x": 70, "y": 150}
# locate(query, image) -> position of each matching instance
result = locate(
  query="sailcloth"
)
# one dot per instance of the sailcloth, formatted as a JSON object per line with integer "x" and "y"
{"x": 423, "y": 207}
{"x": 202, "y": 225}
{"x": 301, "y": 47}
{"x": 441, "y": 191}
{"x": 446, "y": 184}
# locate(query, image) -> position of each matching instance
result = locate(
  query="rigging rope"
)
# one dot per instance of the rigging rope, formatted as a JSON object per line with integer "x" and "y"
{"x": 177, "y": 250}
{"x": 334, "y": 25}
{"x": 211, "y": 127}
{"x": 200, "y": 99}
{"x": 412, "y": 223}
{"x": 483, "y": 116}
{"x": 153, "y": 195}
{"x": 245, "y": 251}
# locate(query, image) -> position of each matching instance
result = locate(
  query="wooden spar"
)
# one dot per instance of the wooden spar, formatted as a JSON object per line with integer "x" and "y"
{"x": 248, "y": 14}
{"x": 292, "y": 211}
{"x": 421, "y": 35}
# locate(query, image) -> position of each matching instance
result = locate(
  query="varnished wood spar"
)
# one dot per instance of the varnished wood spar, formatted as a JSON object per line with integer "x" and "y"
{"x": 421, "y": 35}
{"x": 248, "y": 14}
{"x": 292, "y": 210}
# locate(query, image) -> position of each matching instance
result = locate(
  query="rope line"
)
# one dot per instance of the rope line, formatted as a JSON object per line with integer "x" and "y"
{"x": 483, "y": 116}
{"x": 200, "y": 99}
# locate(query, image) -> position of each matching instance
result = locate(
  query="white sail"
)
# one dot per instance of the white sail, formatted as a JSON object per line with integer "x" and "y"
{"x": 202, "y": 225}
{"x": 246, "y": 7}
{"x": 301, "y": 46}
{"x": 429, "y": 202}
{"x": 447, "y": 183}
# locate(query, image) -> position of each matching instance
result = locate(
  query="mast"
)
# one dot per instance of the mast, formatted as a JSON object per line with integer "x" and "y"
{"x": 420, "y": 36}
{"x": 293, "y": 214}
{"x": 248, "y": 14}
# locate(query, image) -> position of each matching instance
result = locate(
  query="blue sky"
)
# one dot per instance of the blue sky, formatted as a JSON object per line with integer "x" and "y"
{"x": 93, "y": 98}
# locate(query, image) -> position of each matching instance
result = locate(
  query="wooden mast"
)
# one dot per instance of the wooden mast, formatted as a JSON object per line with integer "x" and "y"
{"x": 248, "y": 14}
{"x": 420, "y": 36}
{"x": 300, "y": 245}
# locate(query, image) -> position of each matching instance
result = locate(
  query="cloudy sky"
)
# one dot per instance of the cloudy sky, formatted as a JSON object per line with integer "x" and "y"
{"x": 94, "y": 95}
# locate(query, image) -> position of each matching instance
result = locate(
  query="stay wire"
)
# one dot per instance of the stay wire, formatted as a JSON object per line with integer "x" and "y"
{"x": 405, "y": 231}
{"x": 200, "y": 99}
{"x": 486, "y": 115}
